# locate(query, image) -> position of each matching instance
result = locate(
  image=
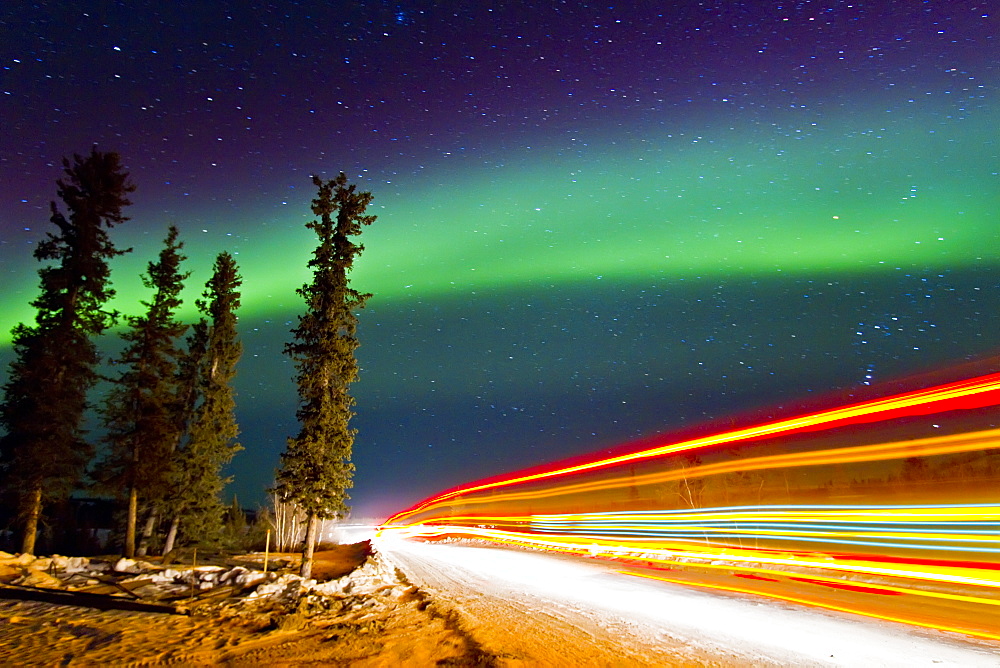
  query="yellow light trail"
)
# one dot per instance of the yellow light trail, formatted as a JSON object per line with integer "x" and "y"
{"x": 666, "y": 552}
{"x": 828, "y": 606}
{"x": 962, "y": 394}
{"x": 897, "y": 516}
{"x": 926, "y": 447}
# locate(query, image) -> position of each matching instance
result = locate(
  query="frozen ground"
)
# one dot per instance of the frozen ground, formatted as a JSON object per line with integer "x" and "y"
{"x": 372, "y": 617}
{"x": 421, "y": 604}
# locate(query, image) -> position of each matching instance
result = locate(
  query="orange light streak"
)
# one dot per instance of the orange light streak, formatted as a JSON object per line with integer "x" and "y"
{"x": 675, "y": 552}
{"x": 972, "y": 393}
{"x": 818, "y": 604}
{"x": 926, "y": 447}
{"x": 921, "y": 521}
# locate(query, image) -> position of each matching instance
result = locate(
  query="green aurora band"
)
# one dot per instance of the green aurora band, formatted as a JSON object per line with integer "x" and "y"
{"x": 853, "y": 196}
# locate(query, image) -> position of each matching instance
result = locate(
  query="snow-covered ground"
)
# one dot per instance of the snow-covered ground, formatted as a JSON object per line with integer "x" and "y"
{"x": 367, "y": 618}
{"x": 536, "y": 607}
{"x": 420, "y": 604}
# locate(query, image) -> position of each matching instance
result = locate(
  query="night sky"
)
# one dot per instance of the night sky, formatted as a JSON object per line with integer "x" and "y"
{"x": 595, "y": 222}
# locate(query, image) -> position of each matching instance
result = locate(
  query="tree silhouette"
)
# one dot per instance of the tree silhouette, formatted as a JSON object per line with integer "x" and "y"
{"x": 43, "y": 452}
{"x": 140, "y": 410}
{"x": 196, "y": 477}
{"x": 316, "y": 468}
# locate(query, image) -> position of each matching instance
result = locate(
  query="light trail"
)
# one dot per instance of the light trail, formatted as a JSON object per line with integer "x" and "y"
{"x": 961, "y": 395}
{"x": 976, "y": 589}
{"x": 885, "y": 501}
{"x": 544, "y": 608}
{"x": 828, "y": 606}
{"x": 667, "y": 553}
{"x": 864, "y": 454}
{"x": 948, "y": 528}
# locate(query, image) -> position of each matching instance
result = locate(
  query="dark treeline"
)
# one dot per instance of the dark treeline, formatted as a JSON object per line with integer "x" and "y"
{"x": 168, "y": 413}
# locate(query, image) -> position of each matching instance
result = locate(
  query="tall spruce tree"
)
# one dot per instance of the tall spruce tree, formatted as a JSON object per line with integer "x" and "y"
{"x": 188, "y": 393}
{"x": 316, "y": 469}
{"x": 196, "y": 479}
{"x": 140, "y": 411}
{"x": 44, "y": 454}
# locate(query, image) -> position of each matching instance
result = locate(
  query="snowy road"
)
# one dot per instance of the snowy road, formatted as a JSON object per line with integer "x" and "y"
{"x": 533, "y": 608}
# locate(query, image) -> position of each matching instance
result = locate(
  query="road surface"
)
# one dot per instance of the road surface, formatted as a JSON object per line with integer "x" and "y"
{"x": 532, "y": 608}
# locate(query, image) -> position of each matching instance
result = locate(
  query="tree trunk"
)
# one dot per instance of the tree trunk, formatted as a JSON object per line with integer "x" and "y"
{"x": 147, "y": 533}
{"x": 168, "y": 544}
{"x": 133, "y": 507}
{"x": 34, "y": 511}
{"x": 307, "y": 552}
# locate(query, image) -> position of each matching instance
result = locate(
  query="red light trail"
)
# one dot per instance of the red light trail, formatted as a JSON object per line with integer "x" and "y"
{"x": 887, "y": 508}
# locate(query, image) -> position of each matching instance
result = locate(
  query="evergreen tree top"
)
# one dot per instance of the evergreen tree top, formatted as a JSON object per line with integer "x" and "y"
{"x": 316, "y": 469}
{"x": 97, "y": 186}
{"x": 74, "y": 290}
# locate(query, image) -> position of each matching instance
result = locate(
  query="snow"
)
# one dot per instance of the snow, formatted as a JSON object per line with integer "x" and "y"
{"x": 370, "y": 617}
{"x": 414, "y": 603}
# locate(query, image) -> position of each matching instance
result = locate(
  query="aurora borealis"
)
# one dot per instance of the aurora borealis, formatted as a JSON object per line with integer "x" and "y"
{"x": 595, "y": 223}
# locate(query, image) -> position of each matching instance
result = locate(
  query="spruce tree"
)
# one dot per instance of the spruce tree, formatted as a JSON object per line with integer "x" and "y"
{"x": 188, "y": 393}
{"x": 43, "y": 453}
{"x": 140, "y": 410}
{"x": 196, "y": 479}
{"x": 316, "y": 469}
